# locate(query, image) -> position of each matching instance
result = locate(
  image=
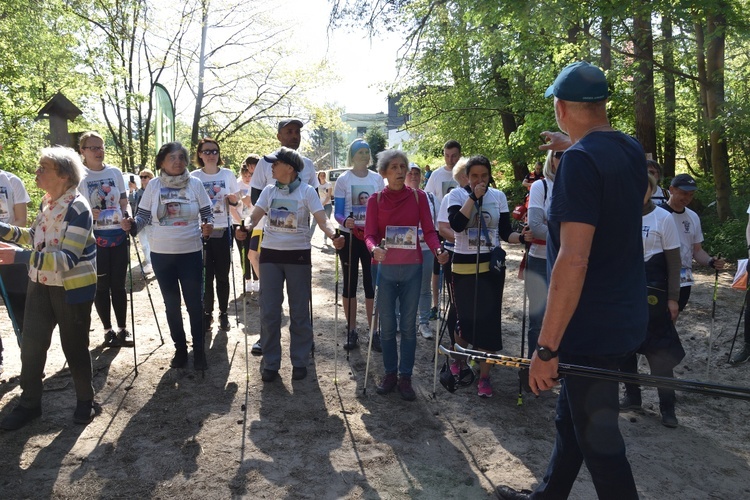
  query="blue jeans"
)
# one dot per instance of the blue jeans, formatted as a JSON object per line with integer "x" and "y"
{"x": 425, "y": 293}
{"x": 402, "y": 282}
{"x": 536, "y": 289}
{"x": 185, "y": 271}
{"x": 587, "y": 431}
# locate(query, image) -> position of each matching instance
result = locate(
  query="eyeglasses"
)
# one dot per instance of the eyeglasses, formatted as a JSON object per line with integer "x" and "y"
{"x": 41, "y": 169}
{"x": 558, "y": 154}
{"x": 94, "y": 149}
{"x": 144, "y": 176}
{"x": 210, "y": 152}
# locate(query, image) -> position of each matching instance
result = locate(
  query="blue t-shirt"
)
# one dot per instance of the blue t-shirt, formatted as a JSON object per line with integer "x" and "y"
{"x": 601, "y": 181}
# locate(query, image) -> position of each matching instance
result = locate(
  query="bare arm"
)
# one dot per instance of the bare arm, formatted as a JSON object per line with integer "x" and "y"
{"x": 566, "y": 284}
{"x": 556, "y": 141}
{"x": 20, "y": 214}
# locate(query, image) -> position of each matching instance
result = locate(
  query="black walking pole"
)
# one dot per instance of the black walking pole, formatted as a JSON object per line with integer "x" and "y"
{"x": 231, "y": 263}
{"x": 148, "y": 290}
{"x": 336, "y": 319}
{"x": 374, "y": 318}
{"x": 348, "y": 346}
{"x": 713, "y": 318}
{"x": 132, "y": 310}
{"x": 204, "y": 241}
{"x": 737, "y": 330}
{"x": 523, "y": 333}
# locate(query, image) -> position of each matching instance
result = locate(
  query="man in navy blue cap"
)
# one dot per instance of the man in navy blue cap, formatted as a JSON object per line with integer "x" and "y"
{"x": 597, "y": 310}
{"x": 681, "y": 192}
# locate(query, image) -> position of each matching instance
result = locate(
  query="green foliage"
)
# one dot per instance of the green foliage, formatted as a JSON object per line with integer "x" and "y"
{"x": 377, "y": 141}
{"x": 726, "y": 238}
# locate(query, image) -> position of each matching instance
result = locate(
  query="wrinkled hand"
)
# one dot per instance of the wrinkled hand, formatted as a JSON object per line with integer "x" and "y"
{"x": 442, "y": 257}
{"x": 206, "y": 229}
{"x": 674, "y": 309}
{"x": 126, "y": 224}
{"x": 349, "y": 223}
{"x": 556, "y": 141}
{"x": 379, "y": 254}
{"x": 542, "y": 374}
{"x": 338, "y": 242}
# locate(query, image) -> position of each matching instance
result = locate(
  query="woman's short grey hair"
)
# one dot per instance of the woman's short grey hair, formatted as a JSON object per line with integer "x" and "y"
{"x": 67, "y": 162}
{"x": 548, "y": 171}
{"x": 459, "y": 168}
{"x": 387, "y": 156}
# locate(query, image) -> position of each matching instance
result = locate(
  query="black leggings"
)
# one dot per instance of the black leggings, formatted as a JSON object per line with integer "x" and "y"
{"x": 218, "y": 260}
{"x": 351, "y": 273}
{"x": 111, "y": 271}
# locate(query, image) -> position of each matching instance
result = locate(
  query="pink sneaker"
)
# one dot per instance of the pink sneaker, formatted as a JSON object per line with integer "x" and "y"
{"x": 484, "y": 388}
{"x": 456, "y": 368}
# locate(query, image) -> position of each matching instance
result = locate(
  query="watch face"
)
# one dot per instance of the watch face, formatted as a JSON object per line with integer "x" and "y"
{"x": 544, "y": 353}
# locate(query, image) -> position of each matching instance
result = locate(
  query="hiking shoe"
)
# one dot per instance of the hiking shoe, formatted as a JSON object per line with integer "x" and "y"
{"x": 507, "y": 493}
{"x": 484, "y": 388}
{"x": 425, "y": 331}
{"x": 256, "y": 350}
{"x": 376, "y": 346}
{"x": 741, "y": 356}
{"x": 352, "y": 341}
{"x": 405, "y": 389}
{"x": 180, "y": 358}
{"x": 668, "y": 418}
{"x": 86, "y": 411}
{"x": 630, "y": 402}
{"x": 389, "y": 382}
{"x": 224, "y": 322}
{"x": 433, "y": 314}
{"x": 299, "y": 372}
{"x": 110, "y": 339}
{"x": 19, "y": 417}
{"x": 123, "y": 338}
{"x": 267, "y": 375}
{"x": 199, "y": 360}
{"x": 208, "y": 320}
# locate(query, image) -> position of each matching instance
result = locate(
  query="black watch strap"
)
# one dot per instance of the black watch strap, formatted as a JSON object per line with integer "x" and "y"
{"x": 545, "y": 353}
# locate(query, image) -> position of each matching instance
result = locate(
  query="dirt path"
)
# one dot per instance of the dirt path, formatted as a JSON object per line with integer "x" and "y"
{"x": 172, "y": 434}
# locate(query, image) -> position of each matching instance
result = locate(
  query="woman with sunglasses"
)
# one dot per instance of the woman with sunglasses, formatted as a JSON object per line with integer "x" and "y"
{"x": 221, "y": 186}
{"x": 104, "y": 186}
{"x": 535, "y": 232}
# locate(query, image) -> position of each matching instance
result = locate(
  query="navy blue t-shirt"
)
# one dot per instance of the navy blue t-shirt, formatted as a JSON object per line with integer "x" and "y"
{"x": 601, "y": 181}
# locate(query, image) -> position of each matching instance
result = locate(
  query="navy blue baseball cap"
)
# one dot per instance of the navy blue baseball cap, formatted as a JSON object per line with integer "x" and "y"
{"x": 580, "y": 82}
{"x": 684, "y": 182}
{"x": 288, "y": 156}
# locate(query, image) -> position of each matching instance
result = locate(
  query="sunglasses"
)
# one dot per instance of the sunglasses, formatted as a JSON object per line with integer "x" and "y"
{"x": 558, "y": 154}
{"x": 210, "y": 152}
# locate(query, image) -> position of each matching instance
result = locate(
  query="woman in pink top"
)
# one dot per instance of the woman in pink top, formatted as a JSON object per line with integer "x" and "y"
{"x": 393, "y": 215}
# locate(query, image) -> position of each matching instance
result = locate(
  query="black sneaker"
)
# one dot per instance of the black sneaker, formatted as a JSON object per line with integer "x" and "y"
{"x": 507, "y": 493}
{"x": 352, "y": 341}
{"x": 86, "y": 411}
{"x": 668, "y": 418}
{"x": 19, "y": 417}
{"x": 199, "y": 360}
{"x": 124, "y": 338}
{"x": 376, "y": 343}
{"x": 256, "y": 349}
{"x": 299, "y": 372}
{"x": 267, "y": 375}
{"x": 208, "y": 320}
{"x": 224, "y": 322}
{"x": 389, "y": 382}
{"x": 433, "y": 314}
{"x": 180, "y": 358}
{"x": 630, "y": 402}
{"x": 740, "y": 356}
{"x": 110, "y": 339}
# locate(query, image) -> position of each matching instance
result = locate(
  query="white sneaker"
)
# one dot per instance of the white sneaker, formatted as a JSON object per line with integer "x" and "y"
{"x": 147, "y": 269}
{"x": 248, "y": 286}
{"x": 255, "y": 286}
{"x": 425, "y": 330}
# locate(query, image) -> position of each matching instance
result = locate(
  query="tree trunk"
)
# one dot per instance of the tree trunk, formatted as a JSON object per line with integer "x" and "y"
{"x": 670, "y": 99}
{"x": 702, "y": 146}
{"x": 201, "y": 72}
{"x": 508, "y": 119}
{"x": 716, "y": 34}
{"x": 606, "y": 44}
{"x": 643, "y": 80}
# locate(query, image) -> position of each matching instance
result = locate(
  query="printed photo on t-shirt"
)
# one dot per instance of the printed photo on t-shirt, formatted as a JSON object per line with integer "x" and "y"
{"x": 360, "y": 194}
{"x": 175, "y": 208}
{"x": 4, "y": 208}
{"x": 404, "y": 237}
{"x": 446, "y": 186}
{"x": 216, "y": 193}
{"x": 104, "y": 196}
{"x": 486, "y": 238}
{"x": 282, "y": 216}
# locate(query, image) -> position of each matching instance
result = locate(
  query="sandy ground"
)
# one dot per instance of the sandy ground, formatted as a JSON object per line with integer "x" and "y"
{"x": 167, "y": 433}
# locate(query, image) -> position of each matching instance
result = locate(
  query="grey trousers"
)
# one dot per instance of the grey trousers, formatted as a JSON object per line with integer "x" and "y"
{"x": 45, "y": 309}
{"x": 298, "y": 281}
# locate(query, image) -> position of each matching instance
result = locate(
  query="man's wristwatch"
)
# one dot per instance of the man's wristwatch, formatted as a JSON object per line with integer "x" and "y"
{"x": 545, "y": 353}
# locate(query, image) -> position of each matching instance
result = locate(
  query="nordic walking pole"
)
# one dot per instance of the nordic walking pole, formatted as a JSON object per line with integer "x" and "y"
{"x": 6, "y": 300}
{"x": 349, "y": 287}
{"x": 737, "y": 330}
{"x": 132, "y": 310}
{"x": 336, "y": 319}
{"x": 231, "y": 263}
{"x": 374, "y": 318}
{"x": 713, "y": 319}
{"x": 148, "y": 290}
{"x": 523, "y": 333}
{"x": 438, "y": 334}
{"x": 204, "y": 241}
